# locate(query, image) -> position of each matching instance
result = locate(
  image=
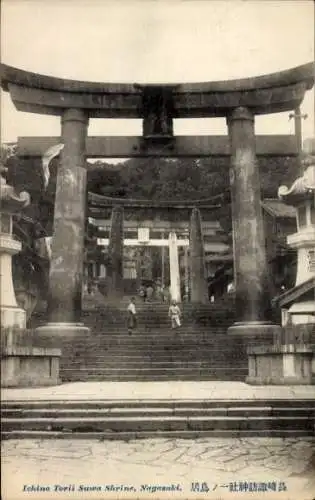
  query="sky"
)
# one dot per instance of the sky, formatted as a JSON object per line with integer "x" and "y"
{"x": 154, "y": 41}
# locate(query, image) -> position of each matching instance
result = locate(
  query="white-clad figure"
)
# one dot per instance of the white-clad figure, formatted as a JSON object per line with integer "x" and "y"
{"x": 175, "y": 314}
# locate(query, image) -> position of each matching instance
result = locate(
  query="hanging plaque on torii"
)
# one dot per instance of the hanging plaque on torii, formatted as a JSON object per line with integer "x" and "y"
{"x": 157, "y": 110}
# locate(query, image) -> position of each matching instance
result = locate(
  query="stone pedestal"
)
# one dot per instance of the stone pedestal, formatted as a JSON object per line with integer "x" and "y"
{"x": 174, "y": 268}
{"x": 67, "y": 251}
{"x": 252, "y": 298}
{"x": 12, "y": 316}
{"x": 29, "y": 366}
{"x": 280, "y": 365}
{"x": 61, "y": 330}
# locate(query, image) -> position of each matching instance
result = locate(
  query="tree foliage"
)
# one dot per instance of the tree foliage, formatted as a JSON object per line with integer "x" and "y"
{"x": 183, "y": 179}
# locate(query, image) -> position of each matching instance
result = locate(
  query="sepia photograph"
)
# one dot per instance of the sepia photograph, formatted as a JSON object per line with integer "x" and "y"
{"x": 157, "y": 249}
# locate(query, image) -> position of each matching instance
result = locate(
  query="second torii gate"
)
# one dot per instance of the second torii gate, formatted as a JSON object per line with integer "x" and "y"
{"x": 173, "y": 243}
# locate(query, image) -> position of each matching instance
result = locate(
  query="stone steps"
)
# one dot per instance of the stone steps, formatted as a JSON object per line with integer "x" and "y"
{"x": 161, "y": 372}
{"x": 129, "y": 375}
{"x": 153, "y": 352}
{"x": 141, "y": 353}
{"x": 166, "y": 364}
{"x": 149, "y": 350}
{"x": 131, "y": 435}
{"x": 157, "y": 371}
{"x": 123, "y": 361}
{"x": 147, "y": 330}
{"x": 158, "y": 338}
{"x": 156, "y": 334}
{"x": 127, "y": 419}
{"x": 153, "y": 423}
{"x": 32, "y": 414}
{"x": 126, "y": 347}
{"x": 158, "y": 346}
{"x": 170, "y": 356}
{"x": 199, "y": 350}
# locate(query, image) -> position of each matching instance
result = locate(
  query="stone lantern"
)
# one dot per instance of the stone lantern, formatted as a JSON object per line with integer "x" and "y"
{"x": 13, "y": 318}
{"x": 22, "y": 363}
{"x": 301, "y": 195}
{"x": 291, "y": 360}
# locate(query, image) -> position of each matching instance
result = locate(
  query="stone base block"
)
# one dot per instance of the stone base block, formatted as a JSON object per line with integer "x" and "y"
{"x": 61, "y": 330}
{"x": 252, "y": 328}
{"x": 12, "y": 317}
{"x": 30, "y": 367}
{"x": 280, "y": 365}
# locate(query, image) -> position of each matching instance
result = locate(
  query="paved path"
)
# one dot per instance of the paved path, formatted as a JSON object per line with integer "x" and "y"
{"x": 160, "y": 390}
{"x": 274, "y": 468}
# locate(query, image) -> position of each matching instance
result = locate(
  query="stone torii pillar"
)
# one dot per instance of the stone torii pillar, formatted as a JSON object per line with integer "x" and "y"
{"x": 198, "y": 278}
{"x": 115, "y": 269}
{"x": 66, "y": 267}
{"x": 253, "y": 301}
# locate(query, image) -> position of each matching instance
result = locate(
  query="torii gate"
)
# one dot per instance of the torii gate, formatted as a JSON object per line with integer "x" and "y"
{"x": 157, "y": 105}
{"x": 173, "y": 243}
{"x": 199, "y": 288}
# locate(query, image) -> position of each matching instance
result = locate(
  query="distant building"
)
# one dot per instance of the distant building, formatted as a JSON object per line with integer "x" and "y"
{"x": 279, "y": 222}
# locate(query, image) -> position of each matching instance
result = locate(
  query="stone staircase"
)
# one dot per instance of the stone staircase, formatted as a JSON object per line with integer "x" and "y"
{"x": 199, "y": 350}
{"x": 133, "y": 419}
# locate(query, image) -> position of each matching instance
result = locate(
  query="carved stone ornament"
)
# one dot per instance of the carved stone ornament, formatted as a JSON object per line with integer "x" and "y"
{"x": 11, "y": 201}
{"x": 303, "y": 186}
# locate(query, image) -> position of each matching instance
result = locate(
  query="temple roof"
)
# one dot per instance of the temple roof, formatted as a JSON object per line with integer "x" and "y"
{"x": 98, "y": 200}
{"x": 278, "y": 208}
{"x": 295, "y": 293}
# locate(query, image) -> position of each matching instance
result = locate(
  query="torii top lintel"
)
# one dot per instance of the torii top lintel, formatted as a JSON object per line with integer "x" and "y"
{"x": 271, "y": 93}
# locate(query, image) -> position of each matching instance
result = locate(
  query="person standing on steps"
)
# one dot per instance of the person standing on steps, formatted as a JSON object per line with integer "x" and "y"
{"x": 143, "y": 292}
{"x": 132, "y": 316}
{"x": 150, "y": 292}
{"x": 175, "y": 314}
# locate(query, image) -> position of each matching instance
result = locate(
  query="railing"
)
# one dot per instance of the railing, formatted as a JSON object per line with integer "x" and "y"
{"x": 296, "y": 335}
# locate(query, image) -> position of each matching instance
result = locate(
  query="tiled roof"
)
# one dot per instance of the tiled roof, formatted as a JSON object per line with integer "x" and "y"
{"x": 277, "y": 208}
{"x": 295, "y": 293}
